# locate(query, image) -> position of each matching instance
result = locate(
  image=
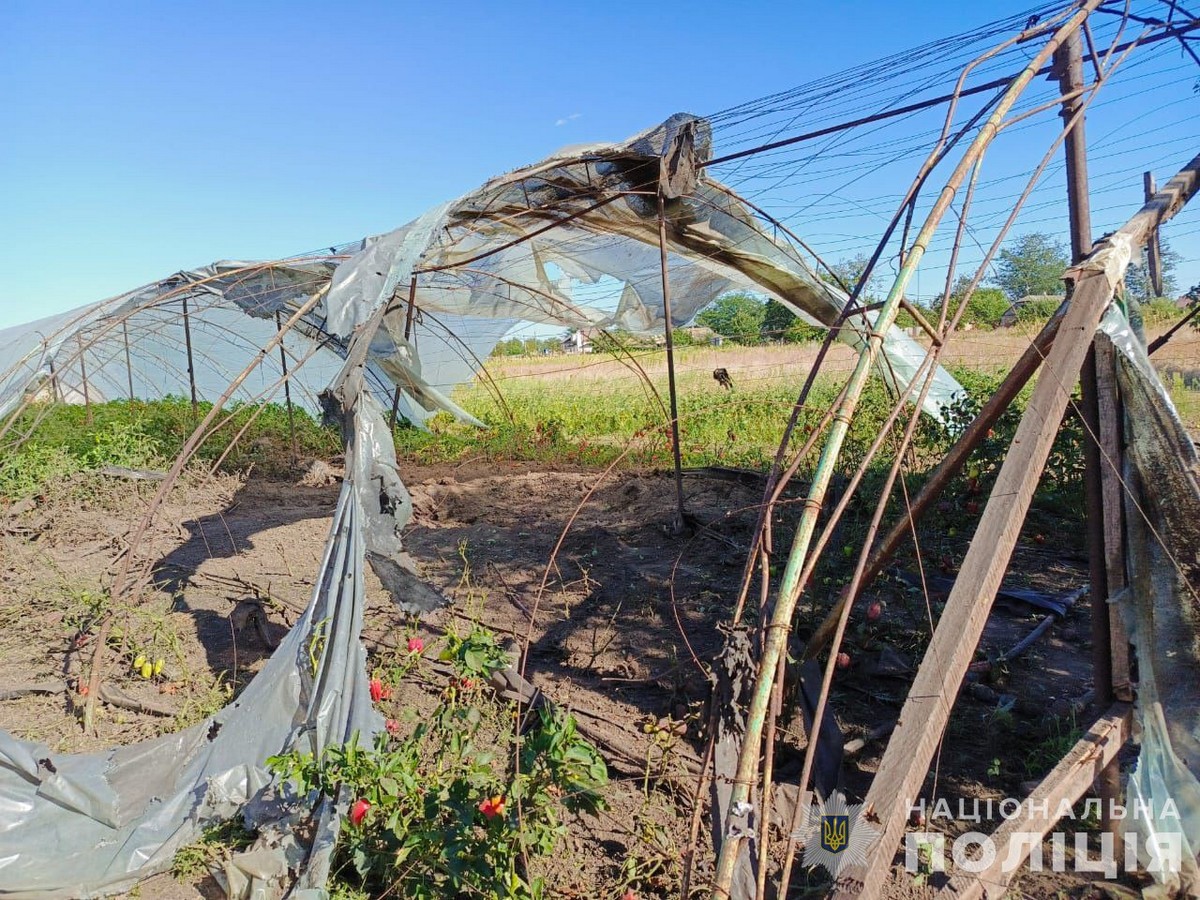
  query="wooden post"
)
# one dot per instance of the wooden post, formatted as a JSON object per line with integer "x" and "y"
{"x": 128, "y": 364}
{"x": 191, "y": 367}
{"x": 287, "y": 388}
{"x": 87, "y": 399}
{"x": 1068, "y": 781}
{"x": 1102, "y": 517}
{"x": 1153, "y": 248}
{"x": 905, "y": 763}
{"x": 666, "y": 292}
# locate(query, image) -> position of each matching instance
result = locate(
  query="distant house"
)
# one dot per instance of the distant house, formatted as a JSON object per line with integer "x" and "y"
{"x": 1048, "y": 302}
{"x": 580, "y": 340}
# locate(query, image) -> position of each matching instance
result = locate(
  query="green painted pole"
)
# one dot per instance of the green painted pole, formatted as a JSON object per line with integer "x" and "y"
{"x": 777, "y": 630}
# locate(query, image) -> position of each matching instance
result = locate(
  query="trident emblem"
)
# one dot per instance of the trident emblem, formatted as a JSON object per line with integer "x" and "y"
{"x": 835, "y": 832}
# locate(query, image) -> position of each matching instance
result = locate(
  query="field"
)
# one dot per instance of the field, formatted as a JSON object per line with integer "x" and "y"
{"x": 538, "y": 543}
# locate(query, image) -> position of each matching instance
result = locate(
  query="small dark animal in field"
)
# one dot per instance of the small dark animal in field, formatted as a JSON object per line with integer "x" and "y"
{"x": 723, "y": 379}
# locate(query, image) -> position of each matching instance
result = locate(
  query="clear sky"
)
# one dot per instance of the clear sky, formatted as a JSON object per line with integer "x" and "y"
{"x": 141, "y": 138}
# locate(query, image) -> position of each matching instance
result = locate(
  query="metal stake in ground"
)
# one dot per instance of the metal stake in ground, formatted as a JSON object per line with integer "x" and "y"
{"x": 87, "y": 399}
{"x": 666, "y": 292}
{"x": 287, "y": 387}
{"x": 128, "y": 364}
{"x": 191, "y": 368}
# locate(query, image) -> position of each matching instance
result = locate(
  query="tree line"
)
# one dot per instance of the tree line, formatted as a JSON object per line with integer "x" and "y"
{"x": 1025, "y": 286}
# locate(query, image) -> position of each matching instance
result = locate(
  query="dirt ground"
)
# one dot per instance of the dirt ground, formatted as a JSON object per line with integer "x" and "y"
{"x": 621, "y": 633}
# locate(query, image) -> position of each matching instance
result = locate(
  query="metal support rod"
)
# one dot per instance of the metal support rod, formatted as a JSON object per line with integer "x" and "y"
{"x": 952, "y": 463}
{"x": 779, "y": 627}
{"x": 1153, "y": 247}
{"x": 54, "y": 392}
{"x": 287, "y": 389}
{"x": 87, "y": 399}
{"x": 408, "y": 325}
{"x": 128, "y": 363}
{"x": 1068, "y": 63}
{"x": 922, "y": 322}
{"x": 905, "y": 764}
{"x": 191, "y": 366}
{"x": 666, "y": 292}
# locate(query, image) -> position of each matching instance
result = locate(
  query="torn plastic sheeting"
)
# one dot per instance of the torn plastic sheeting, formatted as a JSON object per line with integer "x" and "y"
{"x": 118, "y": 817}
{"x": 230, "y": 314}
{"x": 493, "y": 241}
{"x": 1161, "y": 609}
{"x": 486, "y": 254}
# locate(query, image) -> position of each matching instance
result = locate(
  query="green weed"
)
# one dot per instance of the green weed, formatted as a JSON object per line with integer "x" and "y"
{"x": 443, "y": 810}
{"x": 216, "y": 846}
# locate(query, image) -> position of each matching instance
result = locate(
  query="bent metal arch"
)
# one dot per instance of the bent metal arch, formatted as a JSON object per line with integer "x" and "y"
{"x": 401, "y": 318}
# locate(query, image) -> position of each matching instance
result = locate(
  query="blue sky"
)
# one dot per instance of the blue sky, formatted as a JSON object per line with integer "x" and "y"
{"x": 142, "y": 138}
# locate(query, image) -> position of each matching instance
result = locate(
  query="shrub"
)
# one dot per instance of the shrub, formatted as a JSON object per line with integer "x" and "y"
{"x": 1038, "y": 310}
{"x": 442, "y": 811}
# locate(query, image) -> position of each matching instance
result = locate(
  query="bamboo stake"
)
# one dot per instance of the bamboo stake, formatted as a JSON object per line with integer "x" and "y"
{"x": 988, "y": 415}
{"x": 780, "y": 625}
{"x": 927, "y": 709}
{"x": 287, "y": 388}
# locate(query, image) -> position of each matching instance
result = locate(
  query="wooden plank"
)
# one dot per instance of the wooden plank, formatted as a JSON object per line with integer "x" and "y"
{"x": 1153, "y": 249}
{"x": 1068, "y": 781}
{"x": 1111, "y": 449}
{"x": 923, "y": 718}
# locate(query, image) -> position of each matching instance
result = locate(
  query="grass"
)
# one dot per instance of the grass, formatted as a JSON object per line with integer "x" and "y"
{"x": 590, "y": 411}
{"x": 135, "y": 434}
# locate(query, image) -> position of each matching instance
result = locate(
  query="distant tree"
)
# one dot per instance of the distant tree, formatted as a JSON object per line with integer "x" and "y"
{"x": 781, "y": 324}
{"x": 848, "y": 271}
{"x": 1037, "y": 312}
{"x": 1031, "y": 265}
{"x": 776, "y": 320}
{"x": 738, "y": 317}
{"x": 1137, "y": 276}
{"x": 984, "y": 309}
{"x": 510, "y": 347}
{"x": 1193, "y": 298}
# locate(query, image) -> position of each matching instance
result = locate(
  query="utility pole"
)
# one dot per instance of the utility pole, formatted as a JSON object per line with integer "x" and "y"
{"x": 1096, "y": 381}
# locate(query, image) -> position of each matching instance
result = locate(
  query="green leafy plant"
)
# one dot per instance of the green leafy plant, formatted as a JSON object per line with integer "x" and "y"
{"x": 465, "y": 800}
{"x": 217, "y": 845}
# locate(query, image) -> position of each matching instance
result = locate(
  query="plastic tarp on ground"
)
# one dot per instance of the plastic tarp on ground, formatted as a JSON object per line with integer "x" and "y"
{"x": 91, "y": 824}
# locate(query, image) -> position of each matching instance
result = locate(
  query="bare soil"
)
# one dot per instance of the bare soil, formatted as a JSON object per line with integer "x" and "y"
{"x": 620, "y": 618}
